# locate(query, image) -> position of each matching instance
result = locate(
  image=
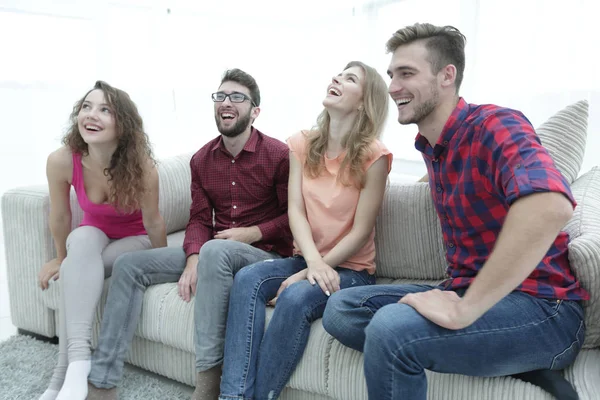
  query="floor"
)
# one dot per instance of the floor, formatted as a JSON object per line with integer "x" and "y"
{"x": 7, "y": 329}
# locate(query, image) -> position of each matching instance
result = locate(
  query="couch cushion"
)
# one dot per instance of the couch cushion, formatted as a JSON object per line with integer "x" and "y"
{"x": 166, "y": 318}
{"x": 408, "y": 236}
{"x": 564, "y": 136}
{"x": 347, "y": 381}
{"x": 51, "y": 297}
{"x": 584, "y": 248}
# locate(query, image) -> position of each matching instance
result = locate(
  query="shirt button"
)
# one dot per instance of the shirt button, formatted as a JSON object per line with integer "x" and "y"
{"x": 435, "y": 160}
{"x": 445, "y": 142}
{"x": 233, "y": 183}
{"x": 234, "y": 207}
{"x": 232, "y": 161}
{"x": 233, "y": 223}
{"x": 451, "y": 245}
{"x": 438, "y": 188}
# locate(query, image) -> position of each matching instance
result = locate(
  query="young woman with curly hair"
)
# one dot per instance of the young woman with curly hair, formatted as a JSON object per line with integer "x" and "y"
{"x": 107, "y": 159}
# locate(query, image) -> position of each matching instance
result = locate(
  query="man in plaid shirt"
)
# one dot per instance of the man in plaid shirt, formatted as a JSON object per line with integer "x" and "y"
{"x": 511, "y": 303}
{"x": 238, "y": 217}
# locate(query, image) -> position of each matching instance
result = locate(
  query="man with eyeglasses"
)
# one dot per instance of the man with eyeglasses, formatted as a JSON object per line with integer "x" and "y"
{"x": 238, "y": 217}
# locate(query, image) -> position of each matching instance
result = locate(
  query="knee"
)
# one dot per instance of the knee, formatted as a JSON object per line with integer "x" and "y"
{"x": 86, "y": 238}
{"x": 246, "y": 278}
{"x": 297, "y": 297}
{"x": 127, "y": 268}
{"x": 213, "y": 257}
{"x": 394, "y": 326}
{"x": 334, "y": 317}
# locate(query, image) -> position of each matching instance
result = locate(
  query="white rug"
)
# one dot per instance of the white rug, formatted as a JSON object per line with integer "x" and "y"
{"x": 26, "y": 365}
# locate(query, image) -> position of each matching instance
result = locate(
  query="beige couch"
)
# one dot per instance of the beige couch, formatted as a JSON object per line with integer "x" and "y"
{"x": 409, "y": 249}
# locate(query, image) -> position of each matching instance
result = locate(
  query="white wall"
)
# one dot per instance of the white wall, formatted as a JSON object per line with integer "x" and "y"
{"x": 170, "y": 54}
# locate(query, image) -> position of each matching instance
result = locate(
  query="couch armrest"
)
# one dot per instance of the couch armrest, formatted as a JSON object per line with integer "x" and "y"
{"x": 28, "y": 245}
{"x": 584, "y": 248}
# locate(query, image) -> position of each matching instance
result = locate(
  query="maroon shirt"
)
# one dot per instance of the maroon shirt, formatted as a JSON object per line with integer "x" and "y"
{"x": 247, "y": 190}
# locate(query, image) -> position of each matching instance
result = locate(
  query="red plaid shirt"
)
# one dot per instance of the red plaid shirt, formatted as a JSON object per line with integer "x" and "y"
{"x": 247, "y": 190}
{"x": 486, "y": 158}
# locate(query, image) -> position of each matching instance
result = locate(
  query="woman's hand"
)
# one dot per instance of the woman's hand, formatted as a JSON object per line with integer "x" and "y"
{"x": 327, "y": 277}
{"x": 297, "y": 277}
{"x": 49, "y": 271}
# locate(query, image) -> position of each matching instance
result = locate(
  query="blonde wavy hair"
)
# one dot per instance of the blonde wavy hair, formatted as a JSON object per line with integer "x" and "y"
{"x": 367, "y": 127}
{"x": 129, "y": 161}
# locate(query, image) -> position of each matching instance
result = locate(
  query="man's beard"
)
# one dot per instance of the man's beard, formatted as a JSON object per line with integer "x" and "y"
{"x": 237, "y": 129}
{"x": 424, "y": 109}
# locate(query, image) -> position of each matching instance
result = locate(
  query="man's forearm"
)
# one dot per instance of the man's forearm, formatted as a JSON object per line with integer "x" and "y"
{"x": 275, "y": 228}
{"x": 196, "y": 234}
{"x": 531, "y": 226}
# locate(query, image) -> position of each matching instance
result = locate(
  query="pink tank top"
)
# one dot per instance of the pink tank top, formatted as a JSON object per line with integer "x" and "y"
{"x": 104, "y": 216}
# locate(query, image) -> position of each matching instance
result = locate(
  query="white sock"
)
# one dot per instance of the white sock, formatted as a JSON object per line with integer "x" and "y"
{"x": 49, "y": 394}
{"x": 75, "y": 385}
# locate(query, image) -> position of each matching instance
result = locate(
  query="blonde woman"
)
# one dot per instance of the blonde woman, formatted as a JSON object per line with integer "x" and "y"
{"x": 338, "y": 175}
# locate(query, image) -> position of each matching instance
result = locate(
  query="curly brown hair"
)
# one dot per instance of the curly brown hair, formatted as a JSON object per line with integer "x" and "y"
{"x": 367, "y": 127}
{"x": 134, "y": 152}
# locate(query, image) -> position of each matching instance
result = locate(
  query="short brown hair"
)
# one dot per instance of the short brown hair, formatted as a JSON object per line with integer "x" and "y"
{"x": 445, "y": 45}
{"x": 238, "y": 76}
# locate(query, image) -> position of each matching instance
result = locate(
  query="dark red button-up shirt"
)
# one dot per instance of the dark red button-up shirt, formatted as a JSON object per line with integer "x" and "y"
{"x": 247, "y": 190}
{"x": 486, "y": 158}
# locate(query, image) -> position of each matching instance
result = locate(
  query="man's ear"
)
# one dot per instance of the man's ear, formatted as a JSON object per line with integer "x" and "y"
{"x": 448, "y": 75}
{"x": 255, "y": 112}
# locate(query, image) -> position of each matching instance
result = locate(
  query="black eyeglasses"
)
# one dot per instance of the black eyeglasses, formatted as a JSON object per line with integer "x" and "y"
{"x": 234, "y": 97}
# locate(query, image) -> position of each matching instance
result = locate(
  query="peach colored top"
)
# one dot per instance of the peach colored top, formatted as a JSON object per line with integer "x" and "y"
{"x": 331, "y": 206}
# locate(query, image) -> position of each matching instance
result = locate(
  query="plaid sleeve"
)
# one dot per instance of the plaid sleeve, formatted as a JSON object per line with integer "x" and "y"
{"x": 518, "y": 163}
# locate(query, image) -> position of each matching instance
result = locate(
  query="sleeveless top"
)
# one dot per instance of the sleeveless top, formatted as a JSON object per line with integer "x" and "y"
{"x": 331, "y": 206}
{"x": 114, "y": 224}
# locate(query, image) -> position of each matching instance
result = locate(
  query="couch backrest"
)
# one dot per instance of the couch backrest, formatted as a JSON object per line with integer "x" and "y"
{"x": 175, "y": 197}
{"x": 408, "y": 236}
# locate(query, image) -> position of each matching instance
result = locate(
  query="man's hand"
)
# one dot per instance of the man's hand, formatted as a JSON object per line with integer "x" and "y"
{"x": 321, "y": 273}
{"x": 245, "y": 235}
{"x": 443, "y": 308}
{"x": 297, "y": 277}
{"x": 186, "y": 286}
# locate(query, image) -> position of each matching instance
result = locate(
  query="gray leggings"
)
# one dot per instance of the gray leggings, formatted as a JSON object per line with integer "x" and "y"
{"x": 90, "y": 257}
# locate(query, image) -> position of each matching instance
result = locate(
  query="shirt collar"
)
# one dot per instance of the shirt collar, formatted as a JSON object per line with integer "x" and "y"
{"x": 250, "y": 145}
{"x": 458, "y": 116}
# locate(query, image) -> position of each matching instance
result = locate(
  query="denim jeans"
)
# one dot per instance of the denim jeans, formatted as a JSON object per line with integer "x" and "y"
{"x": 258, "y": 363}
{"x": 133, "y": 272}
{"x": 520, "y": 333}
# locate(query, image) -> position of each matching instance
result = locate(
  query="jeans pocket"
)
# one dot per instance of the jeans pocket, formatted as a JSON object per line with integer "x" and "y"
{"x": 567, "y": 356}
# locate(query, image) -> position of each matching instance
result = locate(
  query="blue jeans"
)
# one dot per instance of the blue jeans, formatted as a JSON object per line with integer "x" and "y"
{"x": 134, "y": 272}
{"x": 258, "y": 365}
{"x": 520, "y": 333}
